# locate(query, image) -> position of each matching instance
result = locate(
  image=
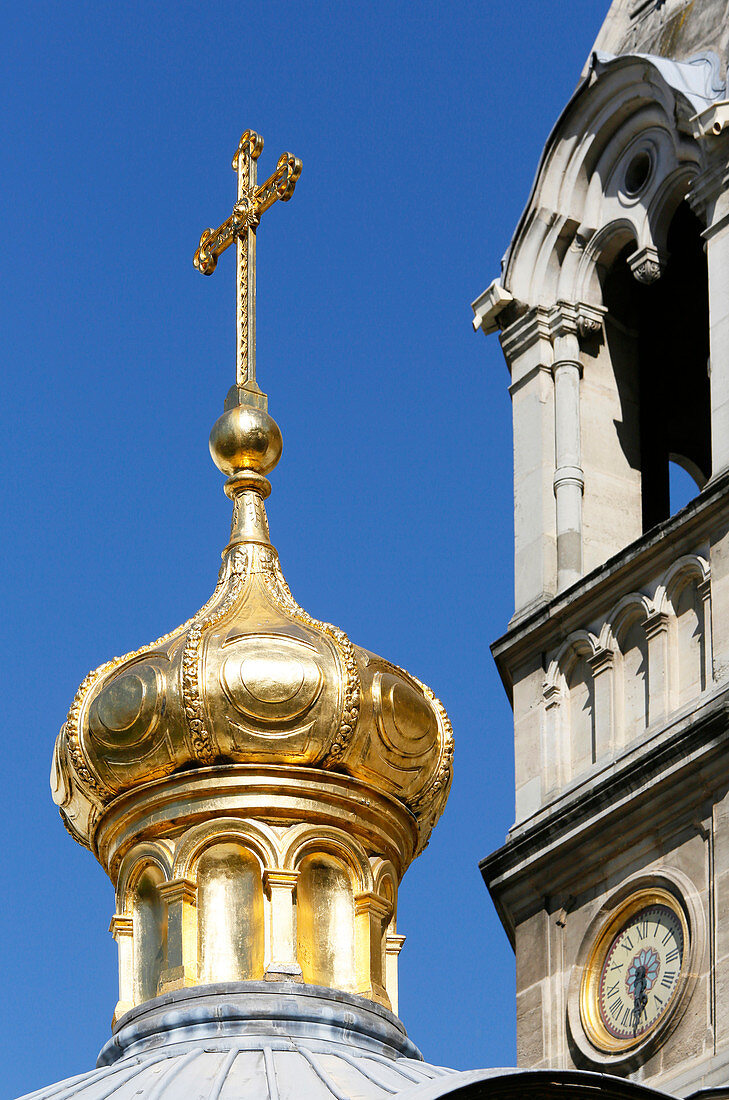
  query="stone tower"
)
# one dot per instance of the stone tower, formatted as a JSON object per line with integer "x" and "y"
{"x": 613, "y": 313}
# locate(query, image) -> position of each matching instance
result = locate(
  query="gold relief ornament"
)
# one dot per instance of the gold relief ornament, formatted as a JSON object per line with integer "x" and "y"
{"x": 253, "y": 709}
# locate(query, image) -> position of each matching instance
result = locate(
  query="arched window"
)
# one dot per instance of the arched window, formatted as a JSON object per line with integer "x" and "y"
{"x": 325, "y": 922}
{"x": 149, "y": 925}
{"x": 230, "y": 914}
{"x": 658, "y": 337}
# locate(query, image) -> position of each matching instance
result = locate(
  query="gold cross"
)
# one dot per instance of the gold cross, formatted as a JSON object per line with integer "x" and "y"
{"x": 241, "y": 226}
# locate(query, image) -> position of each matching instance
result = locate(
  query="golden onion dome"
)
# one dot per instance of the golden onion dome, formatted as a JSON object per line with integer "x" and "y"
{"x": 254, "y": 784}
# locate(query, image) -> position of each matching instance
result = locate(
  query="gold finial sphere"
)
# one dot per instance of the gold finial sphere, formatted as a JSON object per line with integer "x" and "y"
{"x": 245, "y": 438}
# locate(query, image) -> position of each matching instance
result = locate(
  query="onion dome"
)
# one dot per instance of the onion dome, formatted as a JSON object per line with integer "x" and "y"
{"x": 254, "y": 784}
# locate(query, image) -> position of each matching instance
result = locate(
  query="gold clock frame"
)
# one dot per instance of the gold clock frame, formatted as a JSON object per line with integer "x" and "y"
{"x": 590, "y": 984}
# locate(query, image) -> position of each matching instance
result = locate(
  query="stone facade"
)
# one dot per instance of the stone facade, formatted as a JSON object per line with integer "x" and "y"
{"x": 613, "y": 313}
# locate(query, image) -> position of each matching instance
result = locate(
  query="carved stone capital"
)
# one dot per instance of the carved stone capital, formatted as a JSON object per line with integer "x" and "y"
{"x": 274, "y": 879}
{"x": 178, "y": 890}
{"x": 121, "y": 926}
{"x": 575, "y": 319}
{"x": 552, "y": 696}
{"x": 646, "y": 264}
{"x": 655, "y": 624}
{"x": 373, "y": 904}
{"x": 602, "y": 660}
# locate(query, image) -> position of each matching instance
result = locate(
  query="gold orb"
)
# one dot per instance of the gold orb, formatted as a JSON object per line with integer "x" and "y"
{"x": 245, "y": 438}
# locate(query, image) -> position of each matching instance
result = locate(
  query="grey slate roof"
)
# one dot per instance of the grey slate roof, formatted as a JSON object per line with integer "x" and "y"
{"x": 254, "y": 1041}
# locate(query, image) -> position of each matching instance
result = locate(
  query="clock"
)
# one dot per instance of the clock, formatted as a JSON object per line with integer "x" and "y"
{"x": 635, "y": 971}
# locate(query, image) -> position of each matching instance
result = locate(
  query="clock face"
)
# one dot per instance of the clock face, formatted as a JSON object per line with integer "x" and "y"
{"x": 640, "y": 973}
{"x": 636, "y": 971}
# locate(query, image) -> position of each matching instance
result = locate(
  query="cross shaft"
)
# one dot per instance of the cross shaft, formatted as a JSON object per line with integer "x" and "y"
{"x": 241, "y": 227}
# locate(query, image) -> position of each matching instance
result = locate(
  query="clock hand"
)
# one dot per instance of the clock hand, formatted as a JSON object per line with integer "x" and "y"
{"x": 640, "y": 997}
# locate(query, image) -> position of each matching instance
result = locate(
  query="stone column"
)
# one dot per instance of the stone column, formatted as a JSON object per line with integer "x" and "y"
{"x": 280, "y": 886}
{"x": 122, "y": 929}
{"x": 180, "y": 896}
{"x": 370, "y": 910}
{"x": 569, "y": 481}
{"x": 602, "y": 664}
{"x": 528, "y": 350}
{"x": 659, "y": 684}
{"x": 393, "y": 947}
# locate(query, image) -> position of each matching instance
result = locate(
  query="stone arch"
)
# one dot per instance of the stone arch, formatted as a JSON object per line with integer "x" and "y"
{"x": 133, "y": 865}
{"x": 304, "y": 839}
{"x": 628, "y": 640}
{"x": 685, "y": 598}
{"x": 625, "y": 105}
{"x": 571, "y": 721}
{"x": 685, "y": 569}
{"x": 253, "y": 835}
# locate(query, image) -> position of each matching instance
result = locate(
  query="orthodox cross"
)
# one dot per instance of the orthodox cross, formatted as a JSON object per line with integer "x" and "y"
{"x": 241, "y": 227}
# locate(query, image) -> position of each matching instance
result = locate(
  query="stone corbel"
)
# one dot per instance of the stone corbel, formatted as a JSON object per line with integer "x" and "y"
{"x": 280, "y": 887}
{"x": 180, "y": 897}
{"x": 370, "y": 911}
{"x": 488, "y": 306}
{"x": 647, "y": 264}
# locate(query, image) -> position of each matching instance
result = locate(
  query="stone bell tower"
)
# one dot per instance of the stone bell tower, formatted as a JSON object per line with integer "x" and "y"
{"x": 613, "y": 313}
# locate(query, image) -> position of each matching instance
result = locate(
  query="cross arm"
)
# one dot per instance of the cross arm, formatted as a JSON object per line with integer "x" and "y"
{"x": 246, "y": 213}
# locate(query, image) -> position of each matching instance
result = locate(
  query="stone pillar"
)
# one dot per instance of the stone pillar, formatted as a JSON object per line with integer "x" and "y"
{"x": 180, "y": 896}
{"x": 717, "y": 254}
{"x": 709, "y": 198}
{"x": 528, "y": 350}
{"x": 602, "y": 664}
{"x": 122, "y": 929}
{"x": 393, "y": 947}
{"x": 280, "y": 886}
{"x": 660, "y": 702}
{"x": 370, "y": 910}
{"x": 555, "y": 768}
{"x": 569, "y": 480}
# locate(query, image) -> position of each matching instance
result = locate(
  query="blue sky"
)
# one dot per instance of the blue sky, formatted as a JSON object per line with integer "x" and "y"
{"x": 419, "y": 126}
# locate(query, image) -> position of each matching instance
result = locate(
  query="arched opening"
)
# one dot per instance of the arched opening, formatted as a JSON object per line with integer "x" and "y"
{"x": 582, "y": 749}
{"x": 149, "y": 928}
{"x": 230, "y": 914}
{"x": 658, "y": 338}
{"x": 325, "y": 922}
{"x": 634, "y": 651}
{"x": 690, "y": 641}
